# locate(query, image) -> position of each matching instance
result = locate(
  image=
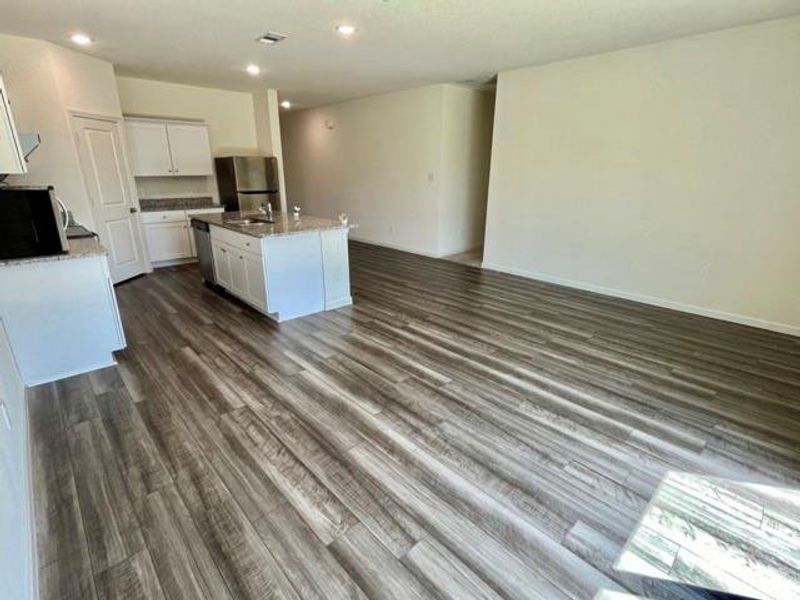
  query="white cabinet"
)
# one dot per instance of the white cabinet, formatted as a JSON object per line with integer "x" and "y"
{"x": 222, "y": 265}
{"x": 168, "y": 241}
{"x": 241, "y": 273}
{"x": 239, "y": 266}
{"x": 11, "y": 159}
{"x": 149, "y": 148}
{"x": 168, "y": 149}
{"x": 169, "y": 234}
{"x": 254, "y": 276}
{"x": 190, "y": 150}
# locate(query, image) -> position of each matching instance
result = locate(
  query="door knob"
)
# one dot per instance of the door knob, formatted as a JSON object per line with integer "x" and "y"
{"x": 133, "y": 209}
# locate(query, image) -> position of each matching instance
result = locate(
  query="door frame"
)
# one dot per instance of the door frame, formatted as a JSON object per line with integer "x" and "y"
{"x": 129, "y": 179}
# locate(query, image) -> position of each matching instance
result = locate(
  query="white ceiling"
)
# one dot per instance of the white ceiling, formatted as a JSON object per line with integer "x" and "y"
{"x": 399, "y": 43}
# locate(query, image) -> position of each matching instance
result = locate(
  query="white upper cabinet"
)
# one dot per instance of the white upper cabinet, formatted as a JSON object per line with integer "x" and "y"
{"x": 11, "y": 159}
{"x": 149, "y": 148}
{"x": 168, "y": 149}
{"x": 191, "y": 154}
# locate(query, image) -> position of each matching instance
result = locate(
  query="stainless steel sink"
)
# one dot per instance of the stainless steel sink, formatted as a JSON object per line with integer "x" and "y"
{"x": 249, "y": 221}
{"x": 240, "y": 222}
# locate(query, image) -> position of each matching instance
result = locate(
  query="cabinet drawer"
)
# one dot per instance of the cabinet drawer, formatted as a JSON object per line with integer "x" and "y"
{"x": 163, "y": 216}
{"x": 247, "y": 243}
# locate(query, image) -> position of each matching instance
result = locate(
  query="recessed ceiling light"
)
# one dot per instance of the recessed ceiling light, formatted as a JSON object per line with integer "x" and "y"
{"x": 346, "y": 30}
{"x": 253, "y": 69}
{"x": 286, "y": 104}
{"x": 81, "y": 39}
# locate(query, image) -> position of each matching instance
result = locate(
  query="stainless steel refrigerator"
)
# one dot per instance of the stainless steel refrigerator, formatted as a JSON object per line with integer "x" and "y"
{"x": 247, "y": 183}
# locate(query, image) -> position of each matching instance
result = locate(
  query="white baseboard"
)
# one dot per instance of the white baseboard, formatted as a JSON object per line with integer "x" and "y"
{"x": 687, "y": 308}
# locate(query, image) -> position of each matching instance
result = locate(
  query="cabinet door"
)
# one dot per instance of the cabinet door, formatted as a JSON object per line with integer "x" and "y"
{"x": 167, "y": 241}
{"x": 191, "y": 154}
{"x": 256, "y": 287}
{"x": 222, "y": 265}
{"x": 238, "y": 274}
{"x": 149, "y": 148}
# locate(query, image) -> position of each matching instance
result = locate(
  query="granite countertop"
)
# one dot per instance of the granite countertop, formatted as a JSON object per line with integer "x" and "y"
{"x": 157, "y": 204}
{"x": 78, "y": 248}
{"x": 283, "y": 224}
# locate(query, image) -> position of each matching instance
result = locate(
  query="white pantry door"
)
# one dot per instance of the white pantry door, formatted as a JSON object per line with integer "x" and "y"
{"x": 107, "y": 183}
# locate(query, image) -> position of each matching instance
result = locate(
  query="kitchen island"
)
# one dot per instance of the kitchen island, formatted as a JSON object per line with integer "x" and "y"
{"x": 286, "y": 267}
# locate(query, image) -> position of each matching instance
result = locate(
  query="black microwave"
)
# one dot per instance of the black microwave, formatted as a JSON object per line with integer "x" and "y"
{"x": 32, "y": 222}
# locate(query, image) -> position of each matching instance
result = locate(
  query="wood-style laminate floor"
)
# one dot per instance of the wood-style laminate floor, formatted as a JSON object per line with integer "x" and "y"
{"x": 456, "y": 433}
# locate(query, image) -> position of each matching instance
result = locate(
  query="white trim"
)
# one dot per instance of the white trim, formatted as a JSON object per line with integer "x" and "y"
{"x": 60, "y": 376}
{"x": 34, "y": 548}
{"x": 157, "y": 119}
{"x": 652, "y": 300}
{"x": 82, "y": 114}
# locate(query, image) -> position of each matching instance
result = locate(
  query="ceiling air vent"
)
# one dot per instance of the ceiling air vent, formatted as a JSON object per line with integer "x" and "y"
{"x": 271, "y": 38}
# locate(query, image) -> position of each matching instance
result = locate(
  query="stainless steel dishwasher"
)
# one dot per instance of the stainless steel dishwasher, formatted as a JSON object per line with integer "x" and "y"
{"x": 205, "y": 256}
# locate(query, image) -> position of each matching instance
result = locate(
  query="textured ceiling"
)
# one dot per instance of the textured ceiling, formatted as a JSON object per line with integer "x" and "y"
{"x": 399, "y": 43}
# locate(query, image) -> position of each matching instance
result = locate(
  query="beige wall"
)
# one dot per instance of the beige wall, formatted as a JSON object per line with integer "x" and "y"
{"x": 230, "y": 115}
{"x": 268, "y": 132}
{"x": 370, "y": 158}
{"x": 44, "y": 82}
{"x": 667, "y": 173}
{"x": 466, "y": 149}
{"x": 384, "y": 161}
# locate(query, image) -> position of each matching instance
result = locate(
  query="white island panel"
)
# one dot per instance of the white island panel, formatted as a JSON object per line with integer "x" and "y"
{"x": 61, "y": 317}
{"x": 295, "y": 286}
{"x": 336, "y": 268}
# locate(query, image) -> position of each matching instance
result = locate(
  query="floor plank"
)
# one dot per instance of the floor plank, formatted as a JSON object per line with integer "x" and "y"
{"x": 456, "y": 433}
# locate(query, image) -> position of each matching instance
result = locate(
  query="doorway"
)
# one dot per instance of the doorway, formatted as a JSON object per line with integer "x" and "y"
{"x": 468, "y": 144}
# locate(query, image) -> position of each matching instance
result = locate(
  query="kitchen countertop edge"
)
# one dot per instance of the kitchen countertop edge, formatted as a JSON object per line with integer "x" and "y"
{"x": 78, "y": 248}
{"x": 283, "y": 225}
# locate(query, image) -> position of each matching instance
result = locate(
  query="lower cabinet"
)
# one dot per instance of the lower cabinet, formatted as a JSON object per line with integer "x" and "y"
{"x": 168, "y": 241}
{"x": 241, "y": 273}
{"x": 222, "y": 264}
{"x": 169, "y": 236}
{"x": 238, "y": 274}
{"x": 254, "y": 276}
